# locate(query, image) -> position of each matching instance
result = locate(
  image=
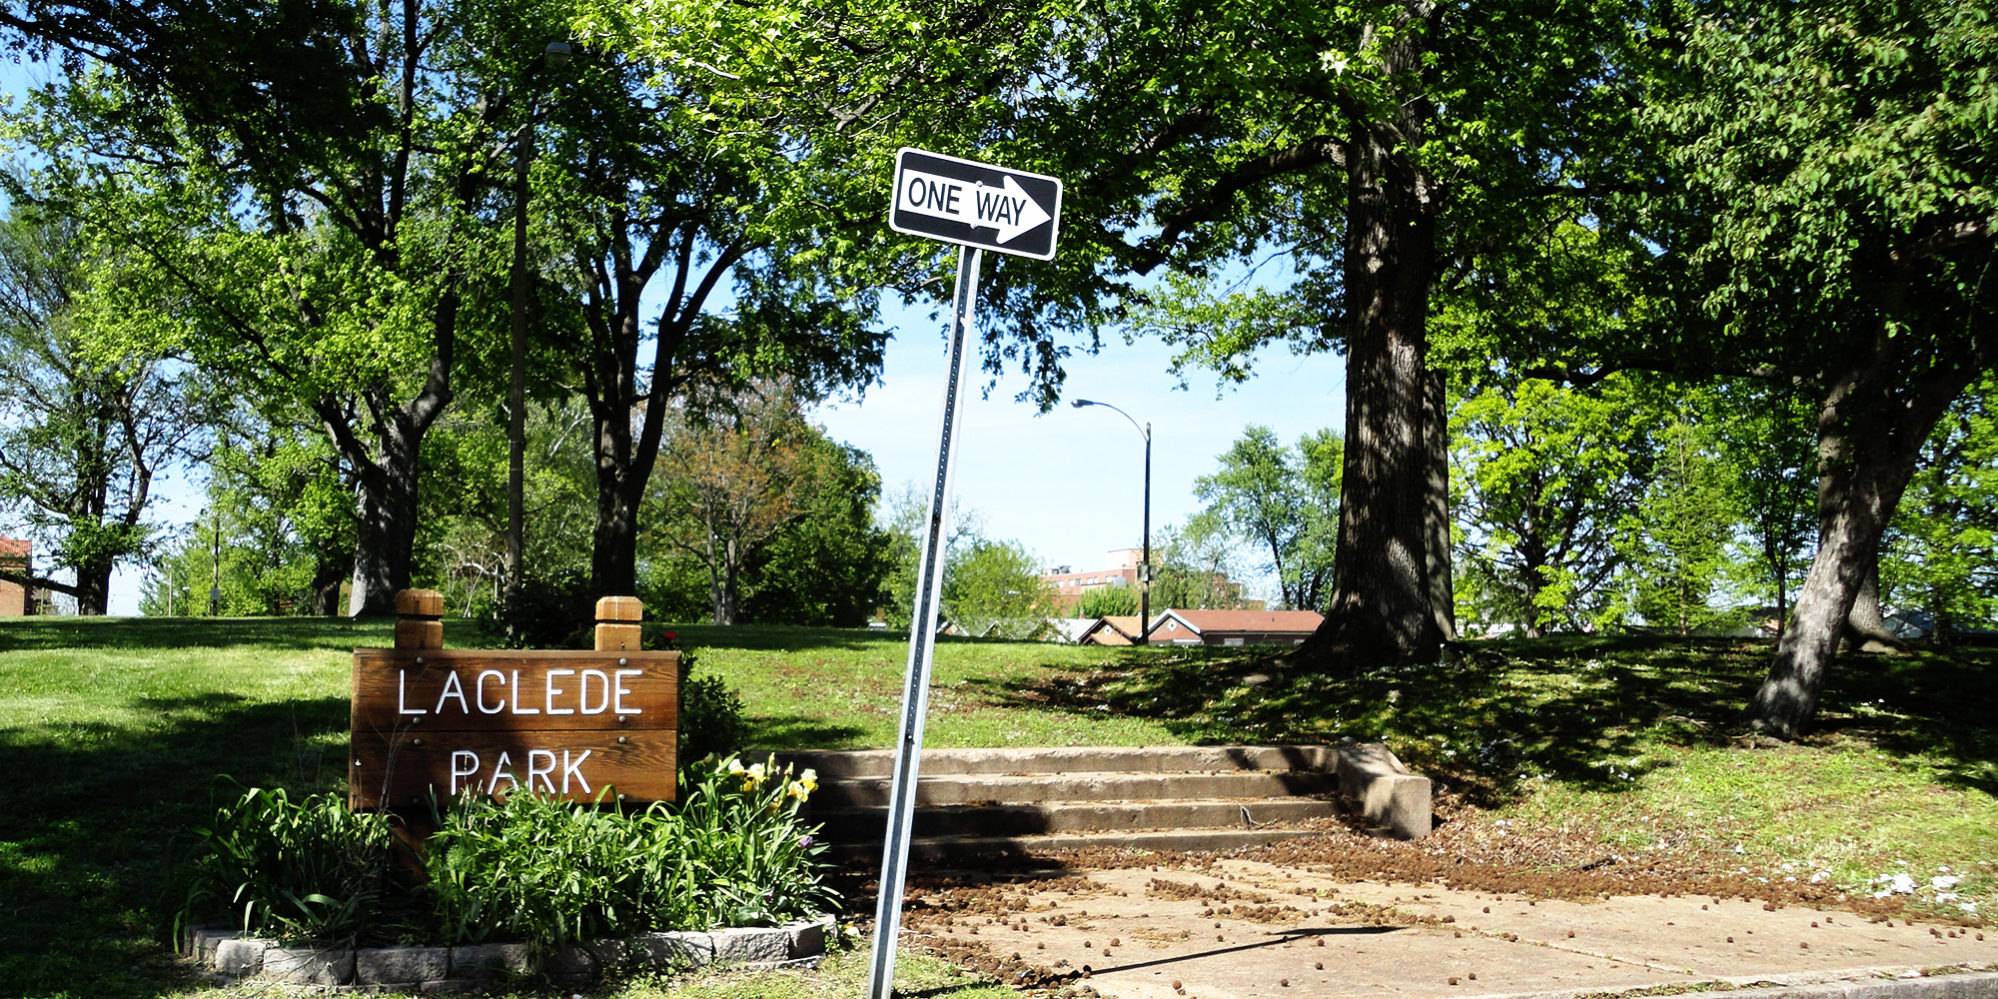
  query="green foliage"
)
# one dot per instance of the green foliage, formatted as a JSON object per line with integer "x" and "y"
{"x": 1941, "y": 553}
{"x": 995, "y": 587}
{"x": 305, "y": 869}
{"x": 738, "y": 472}
{"x": 549, "y": 610}
{"x": 82, "y": 432}
{"x": 1109, "y": 601}
{"x": 826, "y": 566}
{"x": 1546, "y": 477}
{"x": 1678, "y": 553}
{"x": 1767, "y": 436}
{"x": 1285, "y": 503}
{"x": 732, "y": 852}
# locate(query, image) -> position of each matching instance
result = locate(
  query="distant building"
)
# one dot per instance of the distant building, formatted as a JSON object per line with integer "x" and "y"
{"x": 15, "y": 554}
{"x": 1233, "y": 627}
{"x": 1068, "y": 587}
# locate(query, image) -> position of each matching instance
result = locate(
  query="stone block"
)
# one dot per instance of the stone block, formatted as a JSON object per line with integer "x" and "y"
{"x": 751, "y": 945}
{"x": 486, "y": 961}
{"x": 808, "y": 938}
{"x": 309, "y": 965}
{"x": 1388, "y": 794}
{"x": 238, "y": 956}
{"x": 401, "y": 965}
{"x": 674, "y": 949}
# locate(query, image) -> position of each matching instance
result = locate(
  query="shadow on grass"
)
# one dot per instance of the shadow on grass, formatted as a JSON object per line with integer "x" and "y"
{"x": 801, "y": 732}
{"x": 1939, "y": 705}
{"x": 93, "y": 831}
{"x": 1582, "y": 711}
{"x": 68, "y": 633}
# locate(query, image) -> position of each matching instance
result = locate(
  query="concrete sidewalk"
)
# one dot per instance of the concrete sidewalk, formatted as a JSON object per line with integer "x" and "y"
{"x": 1242, "y": 929}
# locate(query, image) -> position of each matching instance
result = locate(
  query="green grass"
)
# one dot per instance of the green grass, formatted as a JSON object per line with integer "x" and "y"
{"x": 116, "y": 736}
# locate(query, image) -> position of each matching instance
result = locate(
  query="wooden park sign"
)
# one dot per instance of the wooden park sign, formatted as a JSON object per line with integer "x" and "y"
{"x": 577, "y": 726}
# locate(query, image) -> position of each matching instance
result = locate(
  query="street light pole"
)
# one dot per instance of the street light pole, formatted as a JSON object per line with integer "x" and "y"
{"x": 1145, "y": 564}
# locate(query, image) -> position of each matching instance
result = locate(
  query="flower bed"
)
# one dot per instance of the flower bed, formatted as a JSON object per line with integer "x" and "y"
{"x": 548, "y": 879}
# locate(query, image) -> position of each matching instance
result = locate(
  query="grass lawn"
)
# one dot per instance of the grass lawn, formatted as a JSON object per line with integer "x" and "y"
{"x": 116, "y": 736}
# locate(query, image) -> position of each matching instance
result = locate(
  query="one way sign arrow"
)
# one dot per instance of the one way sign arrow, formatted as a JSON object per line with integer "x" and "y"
{"x": 975, "y": 204}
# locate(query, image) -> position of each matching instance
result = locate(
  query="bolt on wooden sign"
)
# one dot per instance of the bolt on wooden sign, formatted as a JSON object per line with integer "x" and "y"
{"x": 573, "y": 725}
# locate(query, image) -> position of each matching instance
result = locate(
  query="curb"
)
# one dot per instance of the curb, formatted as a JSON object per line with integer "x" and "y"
{"x": 1864, "y": 983}
{"x": 229, "y": 956}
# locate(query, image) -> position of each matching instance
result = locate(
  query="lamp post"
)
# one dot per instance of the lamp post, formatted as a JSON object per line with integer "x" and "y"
{"x": 554, "y": 56}
{"x": 1145, "y": 563}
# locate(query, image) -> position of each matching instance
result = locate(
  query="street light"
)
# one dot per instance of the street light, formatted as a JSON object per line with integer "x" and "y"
{"x": 1145, "y": 564}
{"x": 554, "y": 56}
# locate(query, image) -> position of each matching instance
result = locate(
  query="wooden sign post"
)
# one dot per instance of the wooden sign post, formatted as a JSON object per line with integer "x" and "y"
{"x": 579, "y": 726}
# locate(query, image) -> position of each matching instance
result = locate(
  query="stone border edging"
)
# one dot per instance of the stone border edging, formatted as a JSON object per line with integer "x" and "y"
{"x": 1877, "y": 983}
{"x": 230, "y": 956}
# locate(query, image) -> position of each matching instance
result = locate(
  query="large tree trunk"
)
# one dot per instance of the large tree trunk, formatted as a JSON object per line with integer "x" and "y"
{"x": 1869, "y": 437}
{"x": 1436, "y": 506}
{"x": 385, "y": 484}
{"x": 93, "y": 589}
{"x": 614, "y": 544}
{"x": 1865, "y": 627}
{"x": 385, "y": 534}
{"x": 1382, "y": 602}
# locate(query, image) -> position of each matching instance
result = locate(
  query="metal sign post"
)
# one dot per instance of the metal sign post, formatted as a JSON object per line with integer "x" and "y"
{"x": 922, "y": 643}
{"x": 977, "y": 206}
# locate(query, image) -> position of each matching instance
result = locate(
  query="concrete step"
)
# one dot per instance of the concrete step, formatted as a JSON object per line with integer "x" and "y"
{"x": 1020, "y": 819}
{"x": 1084, "y": 787}
{"x": 880, "y": 763}
{"x": 951, "y": 849}
{"x": 987, "y": 802}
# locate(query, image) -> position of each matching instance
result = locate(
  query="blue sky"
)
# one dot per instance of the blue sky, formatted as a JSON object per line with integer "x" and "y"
{"x": 1066, "y": 484}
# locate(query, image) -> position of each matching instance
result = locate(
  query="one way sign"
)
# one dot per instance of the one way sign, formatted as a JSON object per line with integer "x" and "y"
{"x": 975, "y": 204}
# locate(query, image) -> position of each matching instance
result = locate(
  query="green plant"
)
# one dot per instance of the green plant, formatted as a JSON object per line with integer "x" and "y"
{"x": 308, "y": 869}
{"x": 711, "y": 717}
{"x": 741, "y": 827}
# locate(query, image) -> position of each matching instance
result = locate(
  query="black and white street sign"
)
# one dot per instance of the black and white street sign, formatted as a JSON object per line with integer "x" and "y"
{"x": 975, "y": 204}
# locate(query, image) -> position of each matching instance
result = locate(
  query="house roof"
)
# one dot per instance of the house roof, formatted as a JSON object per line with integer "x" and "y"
{"x": 1208, "y": 622}
{"x": 1122, "y": 625}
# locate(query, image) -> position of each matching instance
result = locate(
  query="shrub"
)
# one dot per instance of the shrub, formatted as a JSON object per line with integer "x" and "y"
{"x": 711, "y": 717}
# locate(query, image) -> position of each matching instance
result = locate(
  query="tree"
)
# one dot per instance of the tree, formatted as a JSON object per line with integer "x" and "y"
{"x": 1834, "y": 213}
{"x": 995, "y": 586}
{"x": 1195, "y": 566}
{"x": 1547, "y": 477}
{"x": 1941, "y": 552}
{"x": 653, "y": 175}
{"x": 1766, "y": 432}
{"x": 1381, "y": 146}
{"x": 320, "y": 235}
{"x": 731, "y": 477}
{"x": 1677, "y": 553}
{"x": 826, "y": 566}
{"x": 1283, "y": 501}
{"x": 82, "y": 438}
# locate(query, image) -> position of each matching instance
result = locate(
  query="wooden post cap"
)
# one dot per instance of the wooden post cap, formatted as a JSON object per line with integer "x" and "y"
{"x": 419, "y": 603}
{"x": 617, "y": 624}
{"x": 620, "y": 609}
{"x": 417, "y": 624}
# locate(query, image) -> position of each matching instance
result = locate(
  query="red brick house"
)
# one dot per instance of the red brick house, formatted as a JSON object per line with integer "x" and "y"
{"x": 1111, "y": 631}
{"x": 15, "y": 554}
{"x": 1233, "y": 627}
